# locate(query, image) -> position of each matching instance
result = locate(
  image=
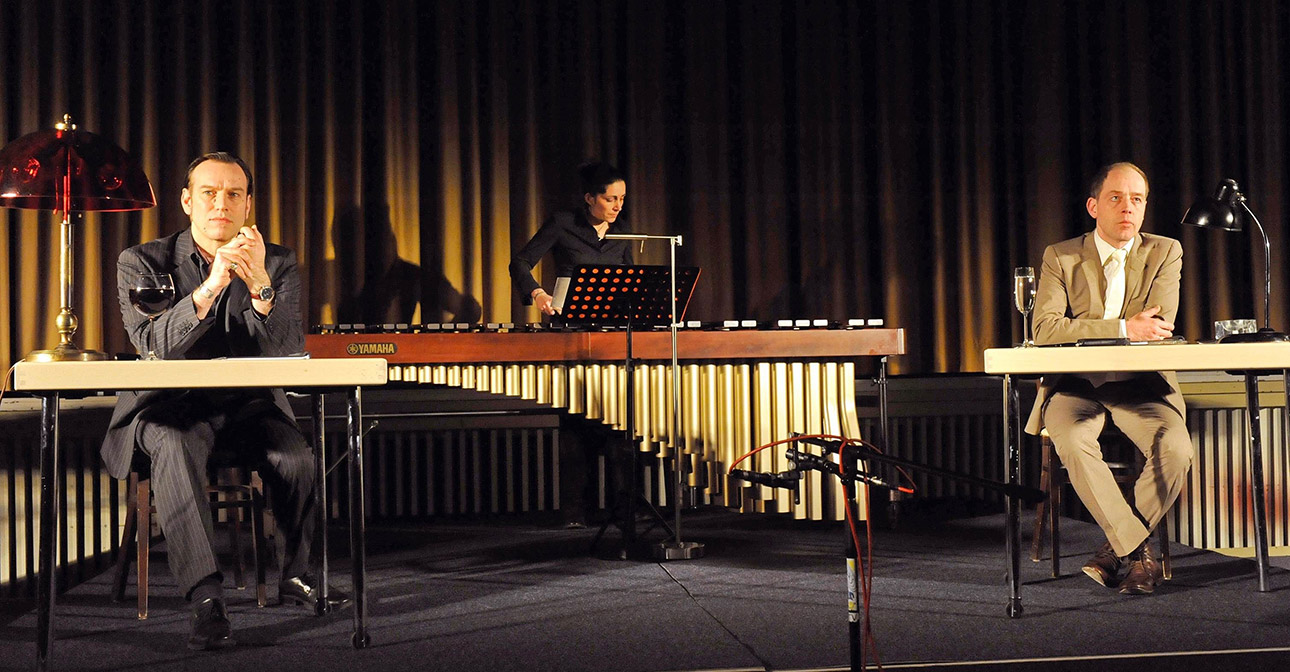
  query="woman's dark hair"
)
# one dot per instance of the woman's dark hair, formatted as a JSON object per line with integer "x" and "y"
{"x": 595, "y": 177}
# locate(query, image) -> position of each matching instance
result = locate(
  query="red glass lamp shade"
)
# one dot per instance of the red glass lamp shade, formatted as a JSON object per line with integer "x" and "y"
{"x": 67, "y": 169}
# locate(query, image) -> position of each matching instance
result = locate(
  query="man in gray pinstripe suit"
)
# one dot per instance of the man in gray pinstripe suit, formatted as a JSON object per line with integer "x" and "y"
{"x": 237, "y": 295}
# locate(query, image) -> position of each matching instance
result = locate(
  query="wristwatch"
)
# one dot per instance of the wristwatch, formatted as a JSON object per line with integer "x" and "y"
{"x": 263, "y": 293}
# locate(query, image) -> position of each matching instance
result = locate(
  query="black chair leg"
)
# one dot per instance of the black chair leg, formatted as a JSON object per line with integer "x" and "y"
{"x": 1162, "y": 538}
{"x": 234, "y": 514}
{"x": 1054, "y": 515}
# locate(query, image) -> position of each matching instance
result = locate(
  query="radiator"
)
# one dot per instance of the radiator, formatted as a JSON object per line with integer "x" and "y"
{"x": 954, "y": 423}
{"x": 93, "y": 502}
{"x": 451, "y": 472}
{"x": 1214, "y": 509}
{"x": 421, "y": 466}
{"x": 412, "y": 469}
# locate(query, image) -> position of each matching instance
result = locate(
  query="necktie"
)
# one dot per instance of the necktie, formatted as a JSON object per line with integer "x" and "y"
{"x": 1114, "y": 272}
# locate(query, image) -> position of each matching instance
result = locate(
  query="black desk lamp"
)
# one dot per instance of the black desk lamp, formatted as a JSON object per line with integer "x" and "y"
{"x": 1224, "y": 211}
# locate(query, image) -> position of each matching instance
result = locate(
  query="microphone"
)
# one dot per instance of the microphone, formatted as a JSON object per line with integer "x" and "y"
{"x": 820, "y": 463}
{"x": 829, "y": 445}
{"x": 811, "y": 461}
{"x": 784, "y": 479}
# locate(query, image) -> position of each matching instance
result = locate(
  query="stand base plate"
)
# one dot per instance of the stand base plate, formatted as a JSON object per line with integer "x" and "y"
{"x": 678, "y": 550}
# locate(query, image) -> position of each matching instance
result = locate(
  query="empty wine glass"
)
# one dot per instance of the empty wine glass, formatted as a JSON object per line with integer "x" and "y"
{"x": 1023, "y": 294}
{"x": 152, "y": 295}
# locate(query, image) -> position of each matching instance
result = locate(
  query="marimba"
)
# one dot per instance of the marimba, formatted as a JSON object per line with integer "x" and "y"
{"x": 743, "y": 385}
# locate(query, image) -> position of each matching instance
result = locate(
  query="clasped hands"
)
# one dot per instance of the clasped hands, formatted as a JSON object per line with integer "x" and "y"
{"x": 242, "y": 257}
{"x": 1148, "y": 326}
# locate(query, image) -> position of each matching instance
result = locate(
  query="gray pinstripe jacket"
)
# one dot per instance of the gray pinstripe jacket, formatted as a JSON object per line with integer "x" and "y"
{"x": 230, "y": 329}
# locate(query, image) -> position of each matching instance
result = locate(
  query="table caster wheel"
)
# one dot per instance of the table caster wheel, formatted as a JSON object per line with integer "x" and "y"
{"x": 322, "y": 608}
{"x": 1014, "y": 610}
{"x": 361, "y": 641}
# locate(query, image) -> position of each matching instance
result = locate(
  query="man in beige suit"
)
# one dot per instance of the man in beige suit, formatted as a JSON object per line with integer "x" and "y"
{"x": 1115, "y": 282}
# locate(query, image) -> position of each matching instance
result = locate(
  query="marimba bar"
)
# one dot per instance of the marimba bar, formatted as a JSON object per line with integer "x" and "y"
{"x": 743, "y": 385}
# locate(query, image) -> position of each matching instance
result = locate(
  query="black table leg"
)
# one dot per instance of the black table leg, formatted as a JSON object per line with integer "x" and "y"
{"x": 49, "y": 519}
{"x": 320, "y": 500}
{"x": 1012, "y": 464}
{"x": 1256, "y": 470}
{"x": 357, "y": 517}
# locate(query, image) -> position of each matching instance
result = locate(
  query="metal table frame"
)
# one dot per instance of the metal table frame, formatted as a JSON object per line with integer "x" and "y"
{"x": 1248, "y": 359}
{"x": 51, "y": 380}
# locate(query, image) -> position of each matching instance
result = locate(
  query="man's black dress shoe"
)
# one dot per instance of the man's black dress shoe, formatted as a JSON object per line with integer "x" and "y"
{"x": 302, "y": 590}
{"x": 208, "y": 626}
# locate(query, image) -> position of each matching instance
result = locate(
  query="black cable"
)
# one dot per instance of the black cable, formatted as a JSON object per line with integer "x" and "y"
{"x": 751, "y": 651}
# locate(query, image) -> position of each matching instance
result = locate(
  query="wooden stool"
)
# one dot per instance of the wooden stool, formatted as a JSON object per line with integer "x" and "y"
{"x": 1052, "y": 477}
{"x": 238, "y": 496}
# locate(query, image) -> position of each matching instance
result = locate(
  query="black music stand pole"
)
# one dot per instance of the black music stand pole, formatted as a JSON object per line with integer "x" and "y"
{"x": 629, "y": 515}
{"x": 634, "y": 296}
{"x": 675, "y": 549}
{"x": 628, "y": 524}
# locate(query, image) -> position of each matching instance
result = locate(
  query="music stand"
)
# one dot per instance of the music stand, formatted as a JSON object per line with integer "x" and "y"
{"x": 629, "y": 296}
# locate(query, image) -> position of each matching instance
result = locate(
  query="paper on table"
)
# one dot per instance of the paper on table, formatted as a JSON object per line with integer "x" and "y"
{"x": 294, "y": 355}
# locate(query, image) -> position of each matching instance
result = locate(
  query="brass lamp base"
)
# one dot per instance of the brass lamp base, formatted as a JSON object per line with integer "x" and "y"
{"x": 65, "y": 353}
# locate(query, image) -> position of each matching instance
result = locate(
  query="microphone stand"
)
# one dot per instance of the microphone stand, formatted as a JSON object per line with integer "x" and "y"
{"x": 848, "y": 475}
{"x": 849, "y": 471}
{"x": 676, "y": 549}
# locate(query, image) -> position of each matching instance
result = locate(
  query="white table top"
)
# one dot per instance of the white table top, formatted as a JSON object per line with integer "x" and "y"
{"x": 1144, "y": 357}
{"x": 206, "y": 373}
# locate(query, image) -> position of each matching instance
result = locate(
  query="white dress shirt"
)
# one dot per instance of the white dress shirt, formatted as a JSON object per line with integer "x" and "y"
{"x": 1115, "y": 282}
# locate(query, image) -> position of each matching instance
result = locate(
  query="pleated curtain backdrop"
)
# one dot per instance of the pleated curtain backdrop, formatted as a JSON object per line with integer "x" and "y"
{"x": 822, "y": 158}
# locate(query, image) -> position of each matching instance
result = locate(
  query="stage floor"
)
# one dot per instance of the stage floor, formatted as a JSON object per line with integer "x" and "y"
{"x": 504, "y": 595}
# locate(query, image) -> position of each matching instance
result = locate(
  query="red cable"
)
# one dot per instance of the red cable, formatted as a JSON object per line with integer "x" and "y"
{"x": 909, "y": 490}
{"x": 863, "y": 556}
{"x": 790, "y": 439}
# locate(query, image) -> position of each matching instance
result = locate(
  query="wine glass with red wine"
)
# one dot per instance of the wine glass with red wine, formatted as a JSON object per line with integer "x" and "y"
{"x": 152, "y": 295}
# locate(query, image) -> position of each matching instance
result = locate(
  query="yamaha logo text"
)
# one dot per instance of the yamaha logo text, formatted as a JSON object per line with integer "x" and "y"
{"x": 371, "y": 348}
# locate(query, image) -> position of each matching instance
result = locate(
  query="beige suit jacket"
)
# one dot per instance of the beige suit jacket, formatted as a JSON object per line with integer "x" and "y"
{"x": 1069, "y": 305}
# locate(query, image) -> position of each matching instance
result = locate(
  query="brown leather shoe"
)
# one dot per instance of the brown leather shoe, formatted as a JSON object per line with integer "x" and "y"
{"x": 1143, "y": 572}
{"x": 1104, "y": 566}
